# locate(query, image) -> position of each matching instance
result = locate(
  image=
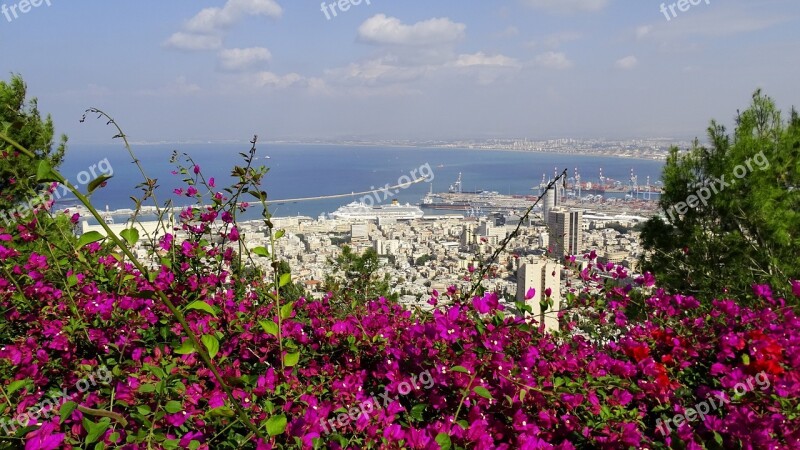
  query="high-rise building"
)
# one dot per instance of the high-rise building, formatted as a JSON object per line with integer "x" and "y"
{"x": 565, "y": 230}
{"x": 541, "y": 275}
{"x": 551, "y": 199}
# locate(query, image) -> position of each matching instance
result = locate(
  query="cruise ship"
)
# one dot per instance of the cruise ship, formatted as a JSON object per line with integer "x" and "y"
{"x": 361, "y": 211}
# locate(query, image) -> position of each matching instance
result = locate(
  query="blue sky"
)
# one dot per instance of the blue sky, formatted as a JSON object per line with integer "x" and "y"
{"x": 219, "y": 70}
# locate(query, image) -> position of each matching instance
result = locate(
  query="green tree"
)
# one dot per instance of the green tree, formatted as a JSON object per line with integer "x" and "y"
{"x": 354, "y": 278}
{"x": 747, "y": 230}
{"x": 22, "y": 122}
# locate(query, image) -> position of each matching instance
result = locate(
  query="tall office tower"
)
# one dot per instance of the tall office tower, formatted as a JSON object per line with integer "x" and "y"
{"x": 540, "y": 275}
{"x": 565, "y": 230}
{"x": 551, "y": 201}
{"x": 467, "y": 236}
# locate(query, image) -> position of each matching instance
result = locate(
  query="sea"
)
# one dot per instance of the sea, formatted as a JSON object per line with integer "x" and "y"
{"x": 301, "y": 171}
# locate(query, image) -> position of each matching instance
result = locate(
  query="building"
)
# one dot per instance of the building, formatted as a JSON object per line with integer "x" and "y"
{"x": 541, "y": 275}
{"x": 565, "y": 230}
{"x": 359, "y": 232}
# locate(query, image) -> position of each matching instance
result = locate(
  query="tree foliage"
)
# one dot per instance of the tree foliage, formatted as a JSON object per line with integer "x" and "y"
{"x": 748, "y": 229}
{"x": 355, "y": 277}
{"x": 23, "y": 122}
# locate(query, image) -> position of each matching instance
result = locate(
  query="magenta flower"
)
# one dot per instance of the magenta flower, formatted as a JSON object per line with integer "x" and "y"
{"x": 44, "y": 438}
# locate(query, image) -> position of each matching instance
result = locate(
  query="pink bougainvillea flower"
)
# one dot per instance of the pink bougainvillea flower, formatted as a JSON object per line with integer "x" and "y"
{"x": 44, "y": 438}
{"x": 196, "y": 169}
{"x": 530, "y": 294}
{"x": 211, "y": 182}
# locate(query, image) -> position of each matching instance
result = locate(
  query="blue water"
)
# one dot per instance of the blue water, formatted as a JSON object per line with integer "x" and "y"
{"x": 316, "y": 170}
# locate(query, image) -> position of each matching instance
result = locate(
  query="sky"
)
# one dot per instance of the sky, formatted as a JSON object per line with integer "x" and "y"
{"x": 183, "y": 70}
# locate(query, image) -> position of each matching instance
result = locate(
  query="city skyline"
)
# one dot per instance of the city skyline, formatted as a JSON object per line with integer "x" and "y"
{"x": 225, "y": 70}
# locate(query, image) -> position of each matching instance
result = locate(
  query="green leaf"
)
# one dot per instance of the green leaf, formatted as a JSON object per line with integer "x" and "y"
{"x": 291, "y": 359}
{"x": 131, "y": 236}
{"x": 186, "y": 348}
{"x": 201, "y": 306}
{"x": 522, "y": 395}
{"x": 15, "y": 386}
{"x": 146, "y": 388}
{"x": 280, "y": 233}
{"x": 483, "y": 392}
{"x": 460, "y": 369}
{"x": 66, "y": 410}
{"x": 143, "y": 410}
{"x": 745, "y": 359}
{"x": 95, "y": 430}
{"x": 222, "y": 411}
{"x": 90, "y": 237}
{"x": 444, "y": 441}
{"x": 45, "y": 174}
{"x": 286, "y": 310}
{"x": 172, "y": 407}
{"x": 269, "y": 327}
{"x": 261, "y": 251}
{"x": 97, "y": 182}
{"x": 276, "y": 425}
{"x": 417, "y": 410}
{"x": 212, "y": 344}
{"x": 285, "y": 279}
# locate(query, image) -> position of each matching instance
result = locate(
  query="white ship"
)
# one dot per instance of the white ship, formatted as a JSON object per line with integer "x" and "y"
{"x": 360, "y": 211}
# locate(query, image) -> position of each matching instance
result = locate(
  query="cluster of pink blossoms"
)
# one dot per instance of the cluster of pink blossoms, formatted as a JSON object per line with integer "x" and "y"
{"x": 497, "y": 381}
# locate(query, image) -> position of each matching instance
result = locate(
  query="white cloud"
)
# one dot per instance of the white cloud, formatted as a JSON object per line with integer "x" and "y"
{"x": 481, "y": 59}
{"x": 510, "y": 31}
{"x": 243, "y": 58}
{"x": 191, "y": 41}
{"x": 567, "y": 6}
{"x": 374, "y": 72}
{"x": 383, "y": 30}
{"x": 272, "y": 80}
{"x": 643, "y": 31}
{"x": 210, "y": 20}
{"x": 206, "y": 30}
{"x": 627, "y": 63}
{"x": 553, "y": 60}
